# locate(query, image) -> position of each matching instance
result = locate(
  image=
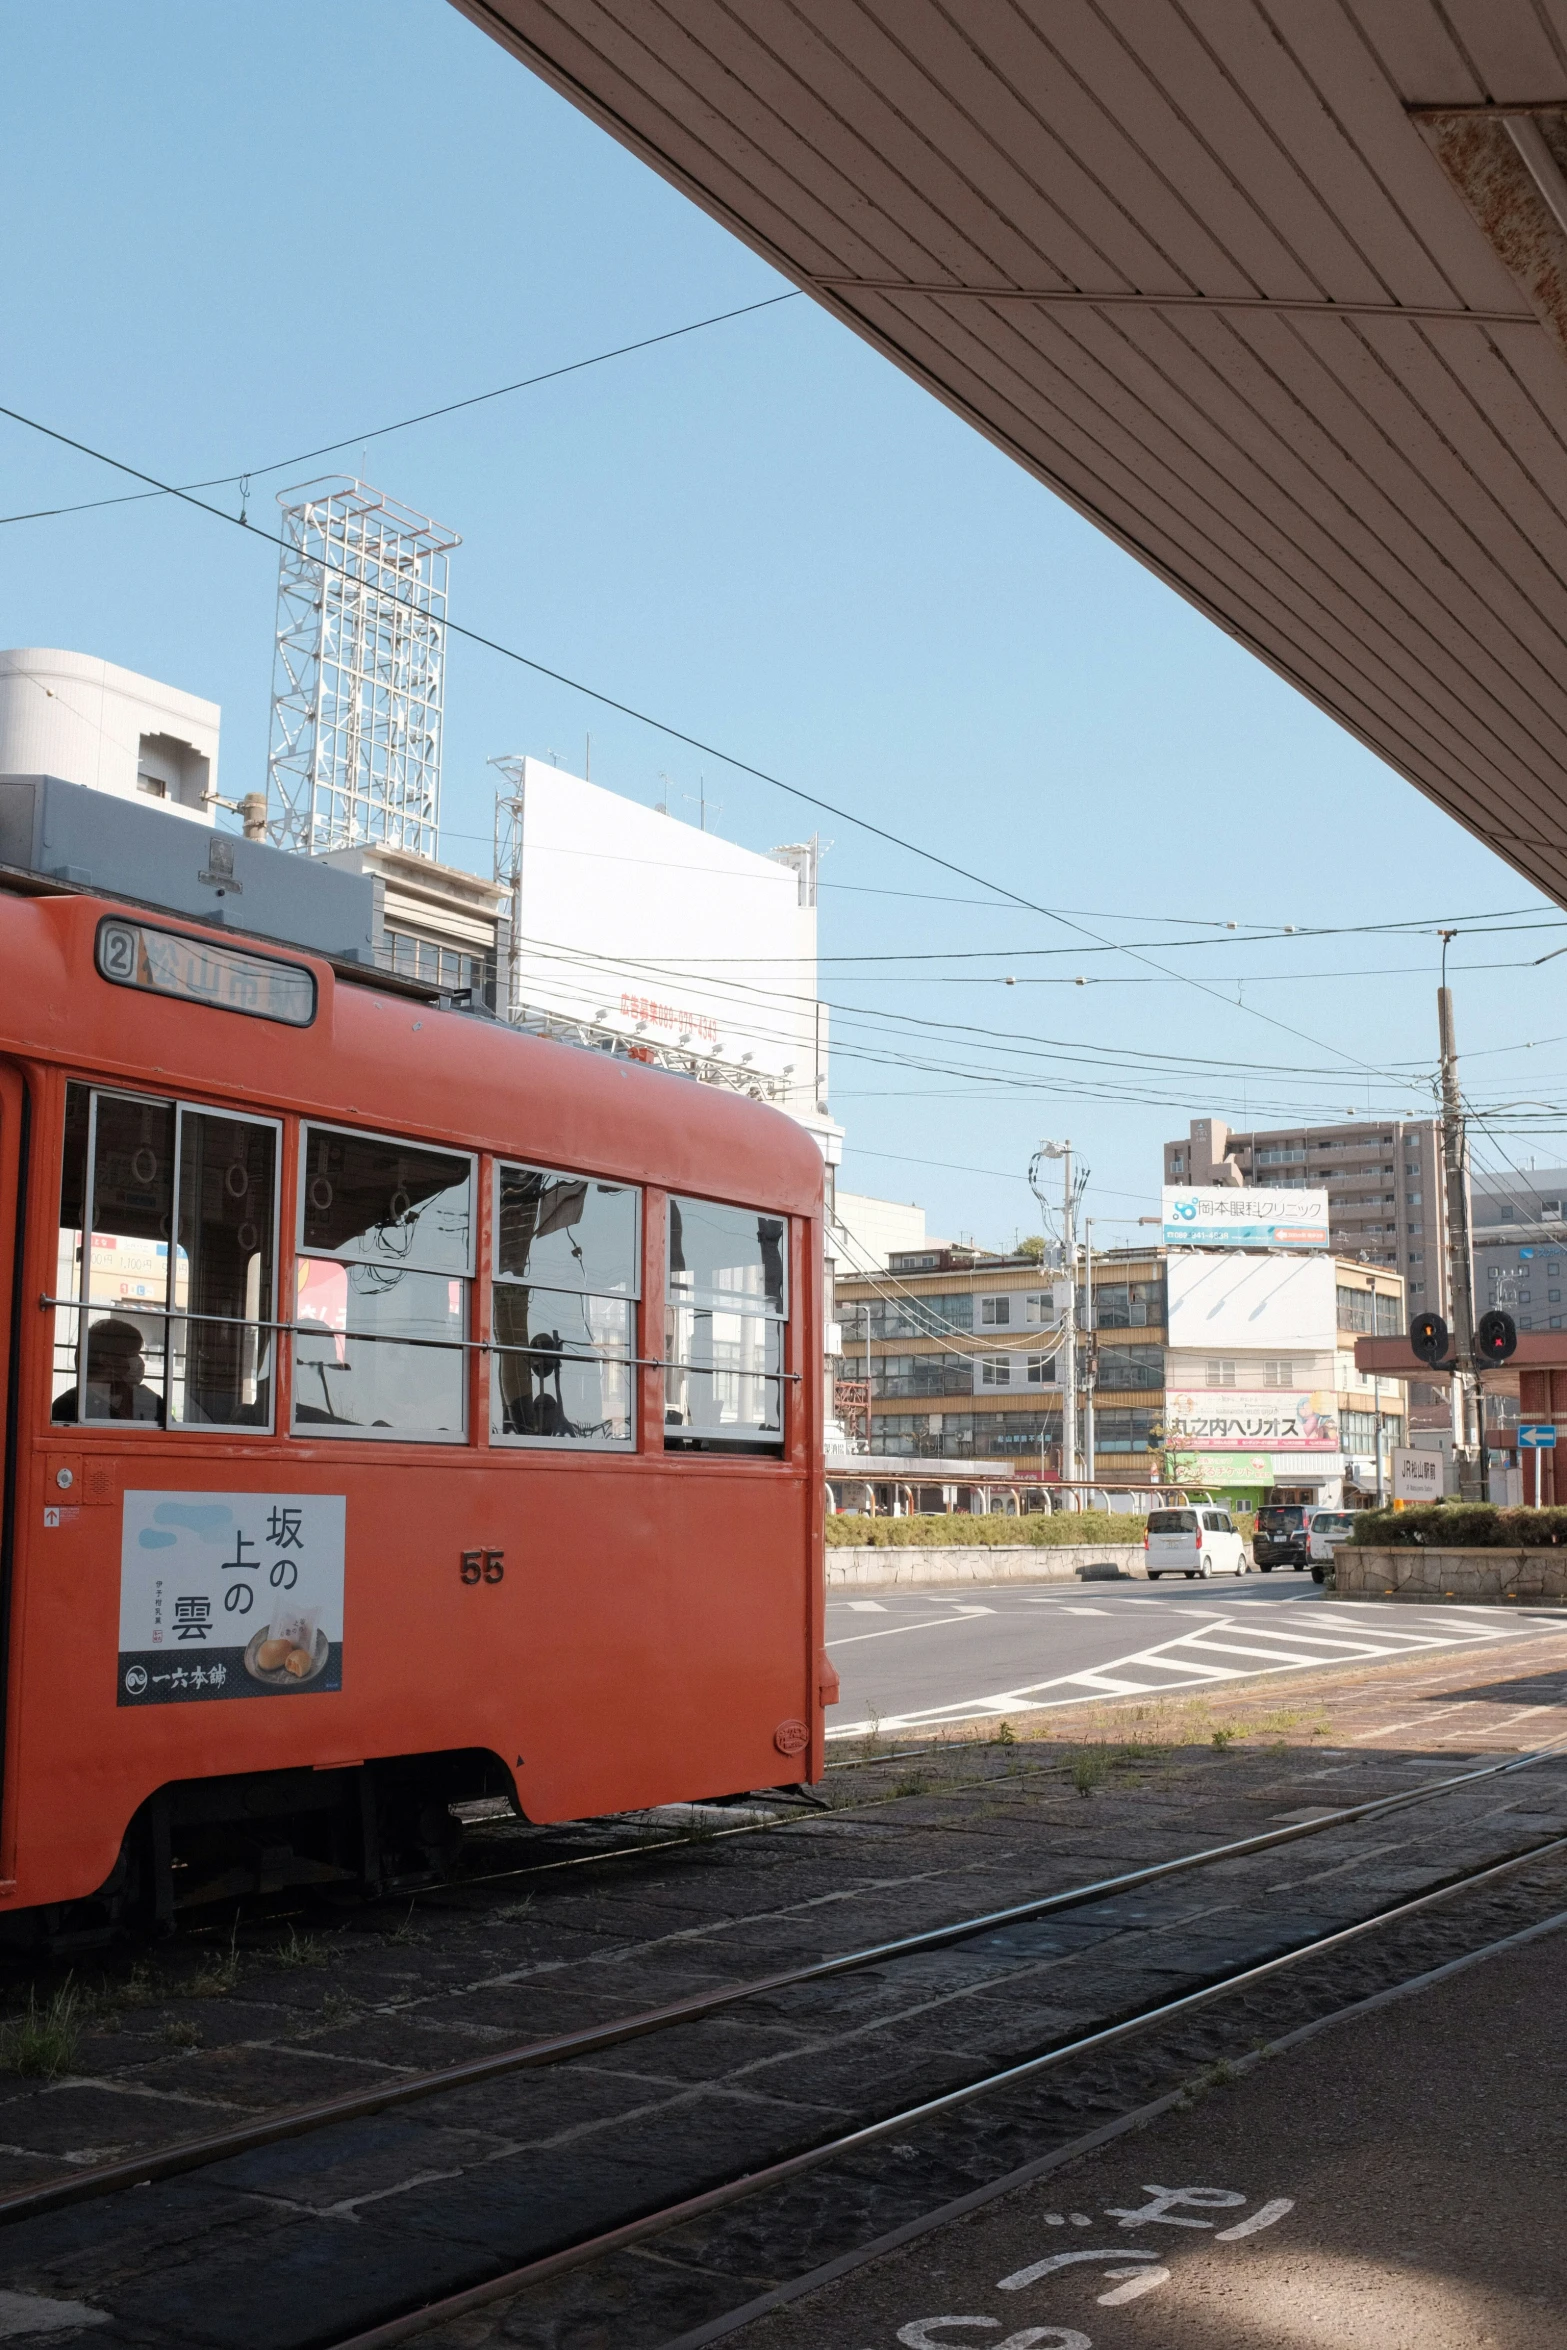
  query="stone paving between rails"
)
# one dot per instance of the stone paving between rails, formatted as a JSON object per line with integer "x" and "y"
{"x": 302, "y": 2242}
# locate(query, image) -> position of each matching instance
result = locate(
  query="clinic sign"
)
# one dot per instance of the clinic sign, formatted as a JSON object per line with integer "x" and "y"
{"x": 1240, "y": 1216}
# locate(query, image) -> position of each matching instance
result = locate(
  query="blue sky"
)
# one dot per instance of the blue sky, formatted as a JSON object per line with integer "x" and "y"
{"x": 238, "y": 232}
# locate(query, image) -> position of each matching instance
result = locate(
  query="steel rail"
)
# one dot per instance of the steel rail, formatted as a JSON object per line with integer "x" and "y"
{"x": 534, "y": 2272}
{"x": 299, "y": 2121}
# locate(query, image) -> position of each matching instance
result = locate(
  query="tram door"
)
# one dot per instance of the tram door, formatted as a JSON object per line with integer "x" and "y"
{"x": 13, "y": 1148}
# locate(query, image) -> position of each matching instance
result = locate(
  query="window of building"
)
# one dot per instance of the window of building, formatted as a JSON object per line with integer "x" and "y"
{"x": 1412, "y": 1199}
{"x": 1041, "y": 1370}
{"x": 909, "y": 1375}
{"x": 449, "y": 968}
{"x": 1553, "y": 1270}
{"x": 1355, "y": 1309}
{"x": 918, "y": 1316}
{"x": 1506, "y": 1215}
{"x": 995, "y": 1313}
{"x": 1523, "y": 1297}
{"x": 996, "y": 1371}
{"x": 386, "y": 1257}
{"x": 567, "y": 1258}
{"x": 1553, "y": 1297}
{"x": 1123, "y": 1367}
{"x": 1221, "y": 1371}
{"x": 724, "y": 1327}
{"x": 1125, "y": 1428}
{"x": 1277, "y": 1371}
{"x": 1128, "y": 1305}
{"x": 1389, "y": 1313}
{"x": 1280, "y": 1154}
{"x": 175, "y": 1337}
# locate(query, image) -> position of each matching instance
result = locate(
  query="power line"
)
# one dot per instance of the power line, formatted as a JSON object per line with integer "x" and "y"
{"x": 379, "y": 432}
{"x": 694, "y": 742}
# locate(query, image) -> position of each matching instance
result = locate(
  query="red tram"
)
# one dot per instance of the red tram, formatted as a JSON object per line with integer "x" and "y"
{"x": 399, "y": 1409}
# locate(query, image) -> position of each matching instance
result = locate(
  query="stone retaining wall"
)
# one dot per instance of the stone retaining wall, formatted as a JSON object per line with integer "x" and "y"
{"x": 1425, "y": 1574}
{"x": 885, "y": 1567}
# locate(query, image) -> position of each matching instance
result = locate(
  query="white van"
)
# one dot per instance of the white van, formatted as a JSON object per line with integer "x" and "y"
{"x": 1327, "y": 1529}
{"x": 1197, "y": 1541}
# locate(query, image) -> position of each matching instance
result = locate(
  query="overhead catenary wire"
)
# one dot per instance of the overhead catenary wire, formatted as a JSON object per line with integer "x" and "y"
{"x": 746, "y": 992}
{"x": 694, "y": 742}
{"x": 378, "y": 432}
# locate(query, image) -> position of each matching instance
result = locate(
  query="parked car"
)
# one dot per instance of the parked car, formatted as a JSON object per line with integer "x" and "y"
{"x": 1327, "y": 1528}
{"x": 1192, "y": 1542}
{"x": 1283, "y": 1536}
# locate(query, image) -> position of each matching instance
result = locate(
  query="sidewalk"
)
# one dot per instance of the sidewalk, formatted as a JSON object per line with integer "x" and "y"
{"x": 1392, "y": 2183}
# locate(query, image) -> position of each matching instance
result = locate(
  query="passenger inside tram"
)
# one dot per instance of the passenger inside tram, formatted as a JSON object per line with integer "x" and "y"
{"x": 116, "y": 1376}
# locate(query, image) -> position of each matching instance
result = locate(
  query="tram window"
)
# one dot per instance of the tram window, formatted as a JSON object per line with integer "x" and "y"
{"x": 566, "y": 1277}
{"x": 381, "y": 1312}
{"x": 170, "y": 1340}
{"x": 727, "y": 1304}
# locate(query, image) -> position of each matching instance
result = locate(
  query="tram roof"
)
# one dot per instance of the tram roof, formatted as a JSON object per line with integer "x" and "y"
{"x": 388, "y": 1062}
{"x": 1222, "y": 278}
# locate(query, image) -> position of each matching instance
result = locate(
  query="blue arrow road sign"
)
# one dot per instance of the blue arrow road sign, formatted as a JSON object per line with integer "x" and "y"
{"x": 1539, "y": 1435}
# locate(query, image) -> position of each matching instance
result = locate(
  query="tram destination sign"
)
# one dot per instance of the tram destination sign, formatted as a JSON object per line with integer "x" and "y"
{"x": 230, "y": 1595}
{"x": 167, "y": 962}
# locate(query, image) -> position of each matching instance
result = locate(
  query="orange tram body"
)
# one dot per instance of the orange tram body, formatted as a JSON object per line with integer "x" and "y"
{"x": 399, "y": 1410}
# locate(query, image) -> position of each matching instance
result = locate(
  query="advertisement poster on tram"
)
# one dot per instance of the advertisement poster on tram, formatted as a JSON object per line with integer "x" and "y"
{"x": 230, "y": 1595}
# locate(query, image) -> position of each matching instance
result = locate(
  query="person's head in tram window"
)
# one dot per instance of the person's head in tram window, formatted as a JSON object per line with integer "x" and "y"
{"x": 116, "y": 1371}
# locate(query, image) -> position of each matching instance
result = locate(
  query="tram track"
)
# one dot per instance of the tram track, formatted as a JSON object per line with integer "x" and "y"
{"x": 190, "y": 2155}
{"x": 453, "y": 2306}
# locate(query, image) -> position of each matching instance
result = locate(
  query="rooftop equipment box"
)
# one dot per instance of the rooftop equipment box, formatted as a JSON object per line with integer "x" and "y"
{"x": 68, "y": 832}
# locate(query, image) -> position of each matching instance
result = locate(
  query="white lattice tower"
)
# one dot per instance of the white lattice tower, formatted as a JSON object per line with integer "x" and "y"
{"x": 358, "y": 680}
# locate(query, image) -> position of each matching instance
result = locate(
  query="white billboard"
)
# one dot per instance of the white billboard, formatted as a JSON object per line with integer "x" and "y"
{"x": 661, "y": 933}
{"x": 1239, "y": 1216}
{"x": 1283, "y": 1303}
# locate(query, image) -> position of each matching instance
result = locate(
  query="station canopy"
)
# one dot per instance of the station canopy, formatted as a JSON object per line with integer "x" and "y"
{"x": 1274, "y": 293}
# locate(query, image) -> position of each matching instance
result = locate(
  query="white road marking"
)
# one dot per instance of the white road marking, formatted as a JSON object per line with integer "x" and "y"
{"x": 1143, "y": 2281}
{"x": 1085, "y": 1611}
{"x": 1263, "y": 2218}
{"x": 30, "y": 2313}
{"x": 866, "y": 1607}
{"x": 1044, "y": 2268}
{"x": 1193, "y": 1658}
{"x": 925, "y": 1624}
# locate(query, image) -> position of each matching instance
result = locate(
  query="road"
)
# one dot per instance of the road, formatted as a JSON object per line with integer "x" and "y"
{"x": 911, "y": 1660}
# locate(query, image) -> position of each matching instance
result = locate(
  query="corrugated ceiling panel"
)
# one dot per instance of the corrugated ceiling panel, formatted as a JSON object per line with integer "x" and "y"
{"x": 1376, "y": 504}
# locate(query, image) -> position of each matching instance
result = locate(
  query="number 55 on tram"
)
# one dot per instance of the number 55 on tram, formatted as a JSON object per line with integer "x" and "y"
{"x": 399, "y": 1410}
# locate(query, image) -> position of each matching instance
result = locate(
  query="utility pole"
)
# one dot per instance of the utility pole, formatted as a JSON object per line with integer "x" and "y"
{"x": 1460, "y": 1255}
{"x": 865, "y": 1309}
{"x": 1066, "y": 1353}
{"x": 510, "y": 809}
{"x": 1090, "y": 1350}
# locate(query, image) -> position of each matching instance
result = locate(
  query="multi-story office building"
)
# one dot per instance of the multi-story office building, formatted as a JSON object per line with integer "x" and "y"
{"x": 1386, "y": 1202}
{"x": 1228, "y": 1366}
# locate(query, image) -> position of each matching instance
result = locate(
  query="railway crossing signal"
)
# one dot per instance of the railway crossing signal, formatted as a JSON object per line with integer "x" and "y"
{"x": 1496, "y": 1337}
{"x": 1428, "y": 1337}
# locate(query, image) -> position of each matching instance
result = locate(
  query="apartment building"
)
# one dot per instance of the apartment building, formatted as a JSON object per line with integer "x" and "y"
{"x": 1386, "y": 1202}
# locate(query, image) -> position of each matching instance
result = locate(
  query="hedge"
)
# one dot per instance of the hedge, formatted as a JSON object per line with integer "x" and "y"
{"x": 1462, "y": 1526}
{"x": 1040, "y": 1528}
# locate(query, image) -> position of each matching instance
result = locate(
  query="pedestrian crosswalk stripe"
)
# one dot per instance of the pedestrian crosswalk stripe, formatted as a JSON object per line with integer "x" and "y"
{"x": 1192, "y": 1659}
